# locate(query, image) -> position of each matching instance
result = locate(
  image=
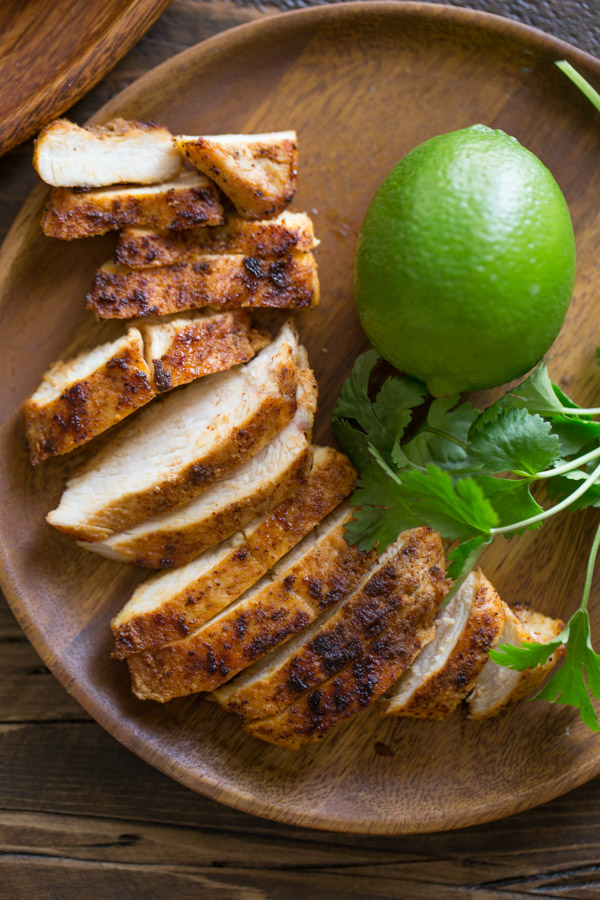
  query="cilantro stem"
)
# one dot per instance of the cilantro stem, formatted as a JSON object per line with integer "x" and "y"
{"x": 590, "y": 570}
{"x": 578, "y": 80}
{"x": 569, "y": 466}
{"x": 553, "y": 510}
{"x": 448, "y": 437}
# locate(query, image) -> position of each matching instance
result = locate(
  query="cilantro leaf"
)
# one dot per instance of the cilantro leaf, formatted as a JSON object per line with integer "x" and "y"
{"x": 464, "y": 556}
{"x": 516, "y": 442}
{"x": 490, "y": 414}
{"x": 527, "y": 656}
{"x": 353, "y": 401}
{"x": 431, "y": 446}
{"x": 574, "y": 433}
{"x": 537, "y": 394}
{"x": 561, "y": 486}
{"x": 511, "y": 499}
{"x": 459, "y": 511}
{"x": 354, "y": 442}
{"x": 568, "y": 685}
{"x": 382, "y": 422}
{"x": 382, "y": 512}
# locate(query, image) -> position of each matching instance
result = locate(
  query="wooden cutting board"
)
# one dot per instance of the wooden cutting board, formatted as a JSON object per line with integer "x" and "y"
{"x": 362, "y": 83}
{"x": 53, "y": 51}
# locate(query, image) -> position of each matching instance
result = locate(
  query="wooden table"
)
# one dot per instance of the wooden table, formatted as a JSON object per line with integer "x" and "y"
{"x": 80, "y": 816}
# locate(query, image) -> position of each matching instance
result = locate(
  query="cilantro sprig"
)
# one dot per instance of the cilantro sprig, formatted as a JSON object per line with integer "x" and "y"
{"x": 469, "y": 474}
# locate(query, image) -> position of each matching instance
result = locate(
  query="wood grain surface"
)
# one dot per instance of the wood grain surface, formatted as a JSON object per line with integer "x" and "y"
{"x": 53, "y": 51}
{"x": 81, "y": 813}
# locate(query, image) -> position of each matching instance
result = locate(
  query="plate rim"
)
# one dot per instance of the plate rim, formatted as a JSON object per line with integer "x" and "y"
{"x": 128, "y": 736}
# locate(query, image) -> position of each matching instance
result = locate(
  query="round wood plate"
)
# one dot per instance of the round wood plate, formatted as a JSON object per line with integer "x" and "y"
{"x": 56, "y": 50}
{"x": 362, "y": 84}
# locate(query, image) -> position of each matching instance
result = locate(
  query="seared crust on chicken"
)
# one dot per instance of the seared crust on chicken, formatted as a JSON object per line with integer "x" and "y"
{"x": 176, "y": 448}
{"x": 141, "y": 248}
{"x": 282, "y": 603}
{"x": 188, "y": 200}
{"x": 84, "y": 396}
{"x": 258, "y": 172}
{"x": 413, "y": 580}
{"x": 187, "y": 347}
{"x": 270, "y": 538}
{"x": 121, "y": 151}
{"x": 498, "y": 687}
{"x": 171, "y": 604}
{"x": 228, "y": 281}
{"x": 336, "y": 639}
{"x": 445, "y": 671}
{"x": 250, "y": 490}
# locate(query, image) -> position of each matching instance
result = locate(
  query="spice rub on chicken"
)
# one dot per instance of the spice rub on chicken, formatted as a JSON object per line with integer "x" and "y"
{"x": 258, "y": 172}
{"x": 66, "y": 155}
{"x": 141, "y": 248}
{"x": 227, "y": 281}
{"x": 171, "y": 604}
{"x": 188, "y": 346}
{"x": 412, "y": 580}
{"x": 311, "y": 577}
{"x": 498, "y": 687}
{"x": 250, "y": 490}
{"x": 188, "y": 200}
{"x": 339, "y": 637}
{"x": 177, "y": 447}
{"x": 80, "y": 398}
{"x": 445, "y": 671}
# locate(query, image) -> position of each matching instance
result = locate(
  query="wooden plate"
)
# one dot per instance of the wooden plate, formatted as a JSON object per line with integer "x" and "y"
{"x": 56, "y": 50}
{"x": 362, "y": 83}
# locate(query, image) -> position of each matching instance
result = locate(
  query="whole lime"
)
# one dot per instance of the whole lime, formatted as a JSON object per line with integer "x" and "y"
{"x": 465, "y": 262}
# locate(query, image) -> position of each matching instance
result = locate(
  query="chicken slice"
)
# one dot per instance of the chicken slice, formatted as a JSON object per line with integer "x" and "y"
{"x": 258, "y": 172}
{"x": 251, "y": 490}
{"x": 334, "y": 640}
{"x": 121, "y": 151}
{"x": 188, "y": 200}
{"x": 498, "y": 687}
{"x": 281, "y": 604}
{"x": 189, "y": 346}
{"x": 445, "y": 671}
{"x": 228, "y": 281}
{"x": 176, "y": 448}
{"x": 142, "y": 248}
{"x": 171, "y": 604}
{"x": 84, "y": 396}
{"x": 411, "y": 582}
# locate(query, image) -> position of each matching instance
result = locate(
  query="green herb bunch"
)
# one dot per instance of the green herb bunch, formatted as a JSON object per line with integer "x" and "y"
{"x": 469, "y": 474}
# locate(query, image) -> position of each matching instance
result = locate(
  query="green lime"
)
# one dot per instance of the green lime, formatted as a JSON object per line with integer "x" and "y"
{"x": 465, "y": 262}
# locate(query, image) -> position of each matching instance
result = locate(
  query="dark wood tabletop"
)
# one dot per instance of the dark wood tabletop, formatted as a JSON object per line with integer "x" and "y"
{"x": 80, "y": 816}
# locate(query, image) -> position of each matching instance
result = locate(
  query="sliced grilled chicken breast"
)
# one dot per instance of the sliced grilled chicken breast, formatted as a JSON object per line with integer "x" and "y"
{"x": 140, "y": 248}
{"x": 171, "y": 604}
{"x": 413, "y": 582}
{"x": 228, "y": 281}
{"x": 341, "y": 635}
{"x": 258, "y": 172}
{"x": 187, "y": 200}
{"x": 84, "y": 396}
{"x": 188, "y": 346}
{"x": 176, "y": 448}
{"x": 320, "y": 570}
{"x": 444, "y": 672}
{"x": 251, "y": 490}
{"x": 121, "y": 151}
{"x": 498, "y": 687}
